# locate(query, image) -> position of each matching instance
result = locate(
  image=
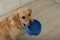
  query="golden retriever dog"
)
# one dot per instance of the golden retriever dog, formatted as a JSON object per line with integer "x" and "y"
{"x": 13, "y": 25}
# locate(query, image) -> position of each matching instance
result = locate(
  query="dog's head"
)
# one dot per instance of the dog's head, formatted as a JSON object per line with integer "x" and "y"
{"x": 25, "y": 16}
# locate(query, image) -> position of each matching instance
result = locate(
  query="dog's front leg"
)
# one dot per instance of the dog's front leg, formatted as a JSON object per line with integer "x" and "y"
{"x": 14, "y": 34}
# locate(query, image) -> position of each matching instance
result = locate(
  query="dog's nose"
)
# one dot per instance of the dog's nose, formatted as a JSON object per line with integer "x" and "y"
{"x": 30, "y": 22}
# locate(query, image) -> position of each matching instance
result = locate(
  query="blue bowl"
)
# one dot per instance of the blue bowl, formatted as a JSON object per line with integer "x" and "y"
{"x": 33, "y": 29}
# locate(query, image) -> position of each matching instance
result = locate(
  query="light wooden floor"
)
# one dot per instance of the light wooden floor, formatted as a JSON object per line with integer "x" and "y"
{"x": 48, "y": 12}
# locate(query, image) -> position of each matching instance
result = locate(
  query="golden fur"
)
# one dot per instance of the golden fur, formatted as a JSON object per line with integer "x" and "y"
{"x": 13, "y": 25}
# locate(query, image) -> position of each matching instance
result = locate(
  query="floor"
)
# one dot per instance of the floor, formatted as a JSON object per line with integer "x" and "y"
{"x": 48, "y": 13}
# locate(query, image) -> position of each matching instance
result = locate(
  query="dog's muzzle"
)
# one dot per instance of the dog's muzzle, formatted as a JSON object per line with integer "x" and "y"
{"x": 30, "y": 22}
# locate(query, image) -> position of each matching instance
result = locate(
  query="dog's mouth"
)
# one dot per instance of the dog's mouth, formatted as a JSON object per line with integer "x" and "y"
{"x": 27, "y": 24}
{"x": 30, "y": 23}
{"x": 24, "y": 24}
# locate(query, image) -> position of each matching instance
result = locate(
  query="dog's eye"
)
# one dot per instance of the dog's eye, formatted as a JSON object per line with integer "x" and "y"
{"x": 29, "y": 14}
{"x": 23, "y": 17}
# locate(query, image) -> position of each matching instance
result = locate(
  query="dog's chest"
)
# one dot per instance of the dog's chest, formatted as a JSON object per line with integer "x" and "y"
{"x": 16, "y": 31}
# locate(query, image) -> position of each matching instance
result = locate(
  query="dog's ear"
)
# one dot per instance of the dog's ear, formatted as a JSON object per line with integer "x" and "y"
{"x": 20, "y": 26}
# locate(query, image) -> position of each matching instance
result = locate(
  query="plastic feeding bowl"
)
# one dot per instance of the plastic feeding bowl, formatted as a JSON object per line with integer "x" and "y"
{"x": 33, "y": 29}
